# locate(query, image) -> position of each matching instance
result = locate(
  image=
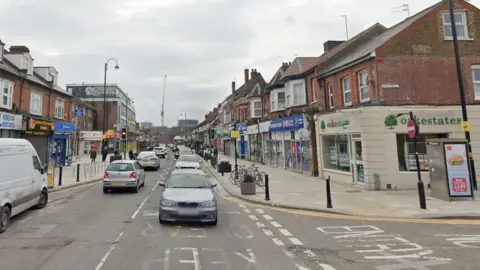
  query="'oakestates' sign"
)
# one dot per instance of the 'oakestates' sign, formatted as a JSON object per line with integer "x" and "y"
{"x": 334, "y": 124}
{"x": 392, "y": 121}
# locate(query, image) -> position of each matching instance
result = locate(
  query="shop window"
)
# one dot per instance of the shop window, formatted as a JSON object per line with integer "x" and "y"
{"x": 336, "y": 155}
{"x": 406, "y": 153}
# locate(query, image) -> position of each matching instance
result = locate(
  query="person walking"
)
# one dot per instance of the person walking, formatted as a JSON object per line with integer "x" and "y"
{"x": 93, "y": 155}
{"x": 130, "y": 154}
{"x": 104, "y": 153}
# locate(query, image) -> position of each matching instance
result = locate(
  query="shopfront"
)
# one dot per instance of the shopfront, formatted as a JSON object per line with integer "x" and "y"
{"x": 242, "y": 142}
{"x": 257, "y": 138}
{"x": 61, "y": 144}
{"x": 288, "y": 145}
{"x": 359, "y": 144}
{"x": 37, "y": 132}
{"x": 89, "y": 140}
{"x": 10, "y": 125}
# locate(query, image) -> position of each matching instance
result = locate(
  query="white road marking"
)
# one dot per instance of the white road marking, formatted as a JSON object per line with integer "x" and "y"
{"x": 253, "y": 217}
{"x": 289, "y": 253}
{"x": 195, "y": 260}
{"x": 260, "y": 225}
{"x": 310, "y": 253}
{"x": 140, "y": 207}
{"x": 110, "y": 250}
{"x": 278, "y": 242}
{"x": 276, "y": 224}
{"x": 155, "y": 186}
{"x": 285, "y": 232}
{"x": 165, "y": 171}
{"x": 246, "y": 211}
{"x": 241, "y": 205}
{"x": 260, "y": 211}
{"x": 24, "y": 220}
{"x": 229, "y": 212}
{"x": 268, "y": 232}
{"x": 301, "y": 267}
{"x": 267, "y": 217}
{"x": 161, "y": 176}
{"x": 326, "y": 266}
{"x": 295, "y": 241}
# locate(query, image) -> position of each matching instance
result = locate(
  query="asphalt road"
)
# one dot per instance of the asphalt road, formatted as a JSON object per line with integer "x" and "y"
{"x": 84, "y": 229}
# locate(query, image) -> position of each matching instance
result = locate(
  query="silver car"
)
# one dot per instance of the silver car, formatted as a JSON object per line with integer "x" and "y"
{"x": 187, "y": 162}
{"x": 148, "y": 159}
{"x": 188, "y": 196}
{"x": 123, "y": 174}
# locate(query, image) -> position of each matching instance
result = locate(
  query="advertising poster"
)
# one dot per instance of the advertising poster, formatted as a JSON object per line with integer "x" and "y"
{"x": 50, "y": 176}
{"x": 458, "y": 173}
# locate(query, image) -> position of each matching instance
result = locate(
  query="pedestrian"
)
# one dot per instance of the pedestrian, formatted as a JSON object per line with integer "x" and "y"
{"x": 130, "y": 154}
{"x": 93, "y": 155}
{"x": 104, "y": 153}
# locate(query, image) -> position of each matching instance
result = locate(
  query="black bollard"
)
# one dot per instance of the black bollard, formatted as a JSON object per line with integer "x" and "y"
{"x": 267, "y": 188}
{"x": 60, "y": 177}
{"x": 78, "y": 172}
{"x": 329, "y": 194}
{"x": 421, "y": 195}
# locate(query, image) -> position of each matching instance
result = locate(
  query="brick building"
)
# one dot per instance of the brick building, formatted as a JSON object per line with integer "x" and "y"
{"x": 383, "y": 73}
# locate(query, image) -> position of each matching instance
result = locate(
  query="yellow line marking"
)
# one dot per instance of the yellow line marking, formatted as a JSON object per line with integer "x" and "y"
{"x": 276, "y": 207}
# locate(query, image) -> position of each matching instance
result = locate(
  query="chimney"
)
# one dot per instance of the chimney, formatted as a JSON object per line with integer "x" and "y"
{"x": 246, "y": 75}
{"x": 19, "y": 49}
{"x": 330, "y": 44}
{"x": 233, "y": 87}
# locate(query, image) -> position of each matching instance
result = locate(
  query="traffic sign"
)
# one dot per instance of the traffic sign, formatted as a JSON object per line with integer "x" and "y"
{"x": 79, "y": 112}
{"x": 412, "y": 131}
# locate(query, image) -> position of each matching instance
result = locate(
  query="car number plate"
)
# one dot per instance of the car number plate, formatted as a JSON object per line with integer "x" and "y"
{"x": 187, "y": 212}
{"x": 118, "y": 183}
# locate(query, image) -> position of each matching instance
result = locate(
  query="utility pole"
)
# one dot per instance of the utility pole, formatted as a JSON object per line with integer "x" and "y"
{"x": 163, "y": 101}
{"x": 346, "y": 24}
{"x": 462, "y": 90}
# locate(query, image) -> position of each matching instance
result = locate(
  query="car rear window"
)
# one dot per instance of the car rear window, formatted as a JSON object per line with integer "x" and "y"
{"x": 159, "y": 148}
{"x": 146, "y": 154}
{"x": 120, "y": 167}
{"x": 187, "y": 181}
{"x": 188, "y": 158}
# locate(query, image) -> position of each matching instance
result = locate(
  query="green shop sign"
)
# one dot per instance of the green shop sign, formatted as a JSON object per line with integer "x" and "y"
{"x": 334, "y": 124}
{"x": 392, "y": 121}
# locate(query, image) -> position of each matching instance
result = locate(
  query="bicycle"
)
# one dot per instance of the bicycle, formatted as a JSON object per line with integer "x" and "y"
{"x": 237, "y": 175}
{"x": 258, "y": 175}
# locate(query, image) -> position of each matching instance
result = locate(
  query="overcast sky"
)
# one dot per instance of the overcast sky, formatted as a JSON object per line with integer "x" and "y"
{"x": 202, "y": 45}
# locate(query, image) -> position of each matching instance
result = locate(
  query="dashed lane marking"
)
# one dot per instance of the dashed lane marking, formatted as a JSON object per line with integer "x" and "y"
{"x": 260, "y": 225}
{"x": 246, "y": 210}
{"x": 241, "y": 205}
{"x": 268, "y": 232}
{"x": 285, "y": 232}
{"x": 267, "y": 217}
{"x": 110, "y": 250}
{"x": 253, "y": 217}
{"x": 260, "y": 211}
{"x": 278, "y": 242}
{"x": 295, "y": 241}
{"x": 276, "y": 224}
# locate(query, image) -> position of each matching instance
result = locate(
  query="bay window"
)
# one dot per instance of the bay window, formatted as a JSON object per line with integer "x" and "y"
{"x": 277, "y": 100}
{"x": 256, "y": 109}
{"x": 7, "y": 93}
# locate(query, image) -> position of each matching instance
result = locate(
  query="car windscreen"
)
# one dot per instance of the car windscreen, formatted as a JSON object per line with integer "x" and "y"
{"x": 187, "y": 181}
{"x": 120, "y": 167}
{"x": 188, "y": 158}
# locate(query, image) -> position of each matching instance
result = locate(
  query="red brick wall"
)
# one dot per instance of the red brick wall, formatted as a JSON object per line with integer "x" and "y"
{"x": 111, "y": 114}
{"x": 266, "y": 105}
{"x": 319, "y": 91}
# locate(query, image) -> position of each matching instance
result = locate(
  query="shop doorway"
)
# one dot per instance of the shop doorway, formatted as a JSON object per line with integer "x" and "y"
{"x": 357, "y": 160}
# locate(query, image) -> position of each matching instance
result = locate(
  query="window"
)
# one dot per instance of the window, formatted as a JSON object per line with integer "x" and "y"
{"x": 89, "y": 113}
{"x": 460, "y": 25}
{"x": 36, "y": 103}
{"x": 330, "y": 95}
{"x": 60, "y": 108}
{"x": 363, "y": 90}
{"x": 7, "y": 92}
{"x": 336, "y": 156}
{"x": 406, "y": 153}
{"x": 314, "y": 91}
{"x": 256, "y": 109}
{"x": 298, "y": 95}
{"x": 476, "y": 81}
{"x": 36, "y": 164}
{"x": 245, "y": 113}
{"x": 281, "y": 100}
{"x": 347, "y": 93}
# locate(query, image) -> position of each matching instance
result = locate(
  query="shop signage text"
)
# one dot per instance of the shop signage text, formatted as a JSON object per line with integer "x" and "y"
{"x": 11, "y": 121}
{"x": 334, "y": 124}
{"x": 62, "y": 127}
{"x": 39, "y": 127}
{"x": 391, "y": 121}
{"x": 288, "y": 123}
{"x": 242, "y": 127}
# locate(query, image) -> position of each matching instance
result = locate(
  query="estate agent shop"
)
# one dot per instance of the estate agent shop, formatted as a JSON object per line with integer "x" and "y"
{"x": 358, "y": 144}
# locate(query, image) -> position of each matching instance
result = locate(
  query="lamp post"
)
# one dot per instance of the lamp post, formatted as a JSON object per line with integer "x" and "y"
{"x": 105, "y": 98}
{"x": 461, "y": 88}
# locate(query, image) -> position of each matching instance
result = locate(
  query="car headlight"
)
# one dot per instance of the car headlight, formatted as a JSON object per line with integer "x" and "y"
{"x": 168, "y": 203}
{"x": 207, "y": 204}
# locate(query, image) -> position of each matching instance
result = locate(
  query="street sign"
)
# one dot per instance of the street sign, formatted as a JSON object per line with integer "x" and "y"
{"x": 411, "y": 128}
{"x": 79, "y": 112}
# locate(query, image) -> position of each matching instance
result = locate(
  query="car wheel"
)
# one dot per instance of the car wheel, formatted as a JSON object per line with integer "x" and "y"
{"x": 105, "y": 190}
{"x": 4, "y": 218}
{"x": 136, "y": 188}
{"x": 143, "y": 182}
{"x": 43, "y": 200}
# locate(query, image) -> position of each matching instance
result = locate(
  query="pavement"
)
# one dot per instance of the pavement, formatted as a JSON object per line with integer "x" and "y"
{"x": 293, "y": 190}
{"x": 82, "y": 228}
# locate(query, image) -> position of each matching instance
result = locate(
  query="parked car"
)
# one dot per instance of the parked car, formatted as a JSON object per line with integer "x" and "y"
{"x": 148, "y": 159}
{"x": 160, "y": 151}
{"x": 22, "y": 181}
{"x": 187, "y": 162}
{"x": 188, "y": 196}
{"x": 124, "y": 174}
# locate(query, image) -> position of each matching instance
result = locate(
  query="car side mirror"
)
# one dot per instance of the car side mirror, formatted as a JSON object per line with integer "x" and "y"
{"x": 162, "y": 184}
{"x": 213, "y": 185}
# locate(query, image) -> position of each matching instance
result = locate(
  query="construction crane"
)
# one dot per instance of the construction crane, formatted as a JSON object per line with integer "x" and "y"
{"x": 163, "y": 101}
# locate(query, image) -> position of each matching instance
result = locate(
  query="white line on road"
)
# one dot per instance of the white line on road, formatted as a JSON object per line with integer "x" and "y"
{"x": 260, "y": 225}
{"x": 289, "y": 253}
{"x": 253, "y": 217}
{"x": 161, "y": 176}
{"x": 229, "y": 212}
{"x": 241, "y": 205}
{"x": 267, "y": 217}
{"x": 285, "y": 232}
{"x": 260, "y": 211}
{"x": 326, "y": 266}
{"x": 310, "y": 253}
{"x": 295, "y": 241}
{"x": 110, "y": 250}
{"x": 301, "y": 267}
{"x": 155, "y": 186}
{"x": 246, "y": 211}
{"x": 278, "y": 242}
{"x": 140, "y": 207}
{"x": 24, "y": 220}
{"x": 276, "y": 224}
{"x": 268, "y": 232}
{"x": 165, "y": 171}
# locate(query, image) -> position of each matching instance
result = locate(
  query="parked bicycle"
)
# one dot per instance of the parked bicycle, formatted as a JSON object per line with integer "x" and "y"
{"x": 237, "y": 177}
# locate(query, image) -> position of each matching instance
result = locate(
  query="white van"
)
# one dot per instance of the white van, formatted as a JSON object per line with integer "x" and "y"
{"x": 22, "y": 179}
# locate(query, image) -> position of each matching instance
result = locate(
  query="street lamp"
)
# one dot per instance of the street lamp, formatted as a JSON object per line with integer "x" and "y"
{"x": 105, "y": 97}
